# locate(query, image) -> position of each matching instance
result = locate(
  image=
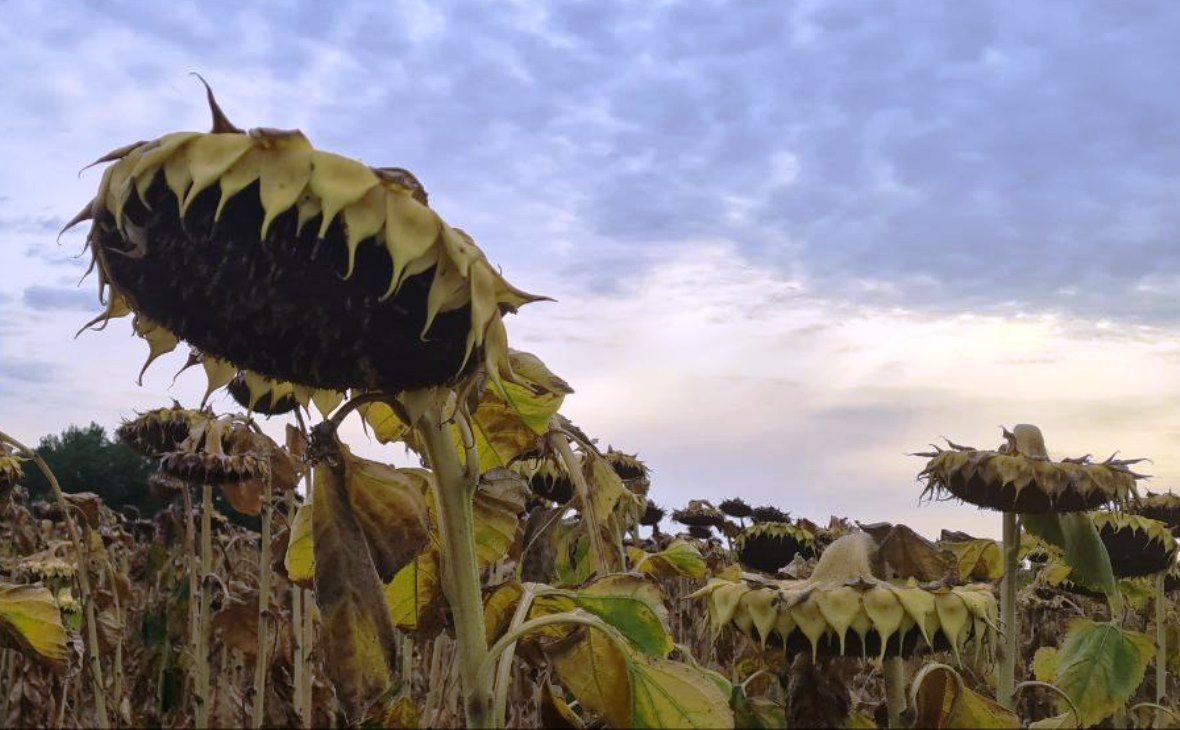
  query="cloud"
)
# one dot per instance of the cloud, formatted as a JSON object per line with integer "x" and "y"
{"x": 45, "y": 298}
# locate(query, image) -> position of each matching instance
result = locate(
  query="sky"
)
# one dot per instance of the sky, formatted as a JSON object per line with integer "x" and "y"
{"x": 789, "y": 242}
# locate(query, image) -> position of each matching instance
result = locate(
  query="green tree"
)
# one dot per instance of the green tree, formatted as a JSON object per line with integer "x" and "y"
{"x": 86, "y": 460}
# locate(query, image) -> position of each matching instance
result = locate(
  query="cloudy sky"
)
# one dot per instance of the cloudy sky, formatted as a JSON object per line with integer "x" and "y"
{"x": 789, "y": 241}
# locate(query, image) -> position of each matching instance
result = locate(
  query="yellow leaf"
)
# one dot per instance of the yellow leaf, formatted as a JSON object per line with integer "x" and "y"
{"x": 300, "y": 558}
{"x": 30, "y": 622}
{"x": 356, "y": 633}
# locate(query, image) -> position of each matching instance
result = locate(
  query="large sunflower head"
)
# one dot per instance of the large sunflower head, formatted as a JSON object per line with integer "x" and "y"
{"x": 1019, "y": 476}
{"x": 213, "y": 454}
{"x": 296, "y": 264}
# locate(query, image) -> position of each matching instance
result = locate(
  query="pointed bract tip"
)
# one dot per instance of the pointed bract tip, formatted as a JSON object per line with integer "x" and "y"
{"x": 221, "y": 123}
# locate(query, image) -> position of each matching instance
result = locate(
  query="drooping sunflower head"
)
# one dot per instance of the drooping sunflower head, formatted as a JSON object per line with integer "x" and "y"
{"x": 1163, "y": 507}
{"x": 652, "y": 514}
{"x": 546, "y": 478}
{"x": 766, "y": 513}
{"x": 699, "y": 513}
{"x": 1137, "y": 545}
{"x": 768, "y": 546}
{"x": 736, "y": 507}
{"x": 10, "y": 470}
{"x": 262, "y": 395}
{"x": 296, "y": 264}
{"x": 630, "y": 469}
{"x": 1019, "y": 476}
{"x": 843, "y": 609}
{"x": 160, "y": 430}
{"x": 211, "y": 455}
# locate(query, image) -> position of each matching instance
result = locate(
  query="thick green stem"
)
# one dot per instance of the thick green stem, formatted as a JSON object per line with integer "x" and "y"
{"x": 261, "y": 665}
{"x": 83, "y": 558}
{"x": 203, "y": 699}
{"x": 297, "y": 650}
{"x": 1161, "y": 641}
{"x": 1006, "y": 680}
{"x": 454, "y": 490}
{"x": 894, "y": 669}
{"x": 508, "y": 640}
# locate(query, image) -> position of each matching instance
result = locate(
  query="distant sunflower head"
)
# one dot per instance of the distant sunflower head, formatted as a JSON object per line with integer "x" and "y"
{"x": 160, "y": 430}
{"x": 546, "y": 478}
{"x": 1137, "y": 546}
{"x": 300, "y": 265}
{"x": 1162, "y": 507}
{"x": 699, "y": 513}
{"x": 630, "y": 469}
{"x": 10, "y": 470}
{"x": 735, "y": 507}
{"x": 652, "y": 515}
{"x": 767, "y": 513}
{"x": 1019, "y": 476}
{"x": 210, "y": 455}
{"x": 769, "y": 546}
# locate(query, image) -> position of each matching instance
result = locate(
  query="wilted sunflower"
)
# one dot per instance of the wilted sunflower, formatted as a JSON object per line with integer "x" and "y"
{"x": 769, "y": 514}
{"x": 546, "y": 477}
{"x": 10, "y": 470}
{"x": 699, "y": 513}
{"x": 652, "y": 515}
{"x": 1137, "y": 545}
{"x": 1162, "y": 507}
{"x": 701, "y": 532}
{"x": 1019, "y": 476}
{"x": 296, "y": 264}
{"x": 735, "y": 507}
{"x": 768, "y": 546}
{"x": 630, "y": 469}
{"x": 160, "y": 430}
{"x": 843, "y": 609}
{"x": 208, "y": 456}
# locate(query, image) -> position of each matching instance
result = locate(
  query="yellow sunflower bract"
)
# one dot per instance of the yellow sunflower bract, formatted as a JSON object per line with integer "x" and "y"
{"x": 843, "y": 596}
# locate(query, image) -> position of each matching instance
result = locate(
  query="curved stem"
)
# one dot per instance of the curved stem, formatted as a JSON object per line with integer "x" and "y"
{"x": 504, "y": 671}
{"x": 453, "y": 490}
{"x": 1051, "y": 687}
{"x": 510, "y": 638}
{"x": 82, "y": 557}
{"x": 1158, "y": 708}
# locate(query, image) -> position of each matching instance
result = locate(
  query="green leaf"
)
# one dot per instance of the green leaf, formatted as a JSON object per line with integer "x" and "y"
{"x": 667, "y": 694}
{"x": 1084, "y": 551}
{"x": 633, "y": 606}
{"x": 680, "y": 559}
{"x": 30, "y": 622}
{"x": 1100, "y": 666}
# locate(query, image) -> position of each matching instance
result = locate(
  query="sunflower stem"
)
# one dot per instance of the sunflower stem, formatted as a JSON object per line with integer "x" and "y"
{"x": 1006, "y": 679}
{"x": 504, "y": 670}
{"x": 453, "y": 496}
{"x": 194, "y": 588}
{"x": 1161, "y": 640}
{"x": 894, "y": 670}
{"x": 262, "y": 664}
{"x": 83, "y": 557}
{"x": 203, "y": 698}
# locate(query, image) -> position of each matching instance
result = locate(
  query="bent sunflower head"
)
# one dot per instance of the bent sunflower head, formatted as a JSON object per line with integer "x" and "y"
{"x": 295, "y": 264}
